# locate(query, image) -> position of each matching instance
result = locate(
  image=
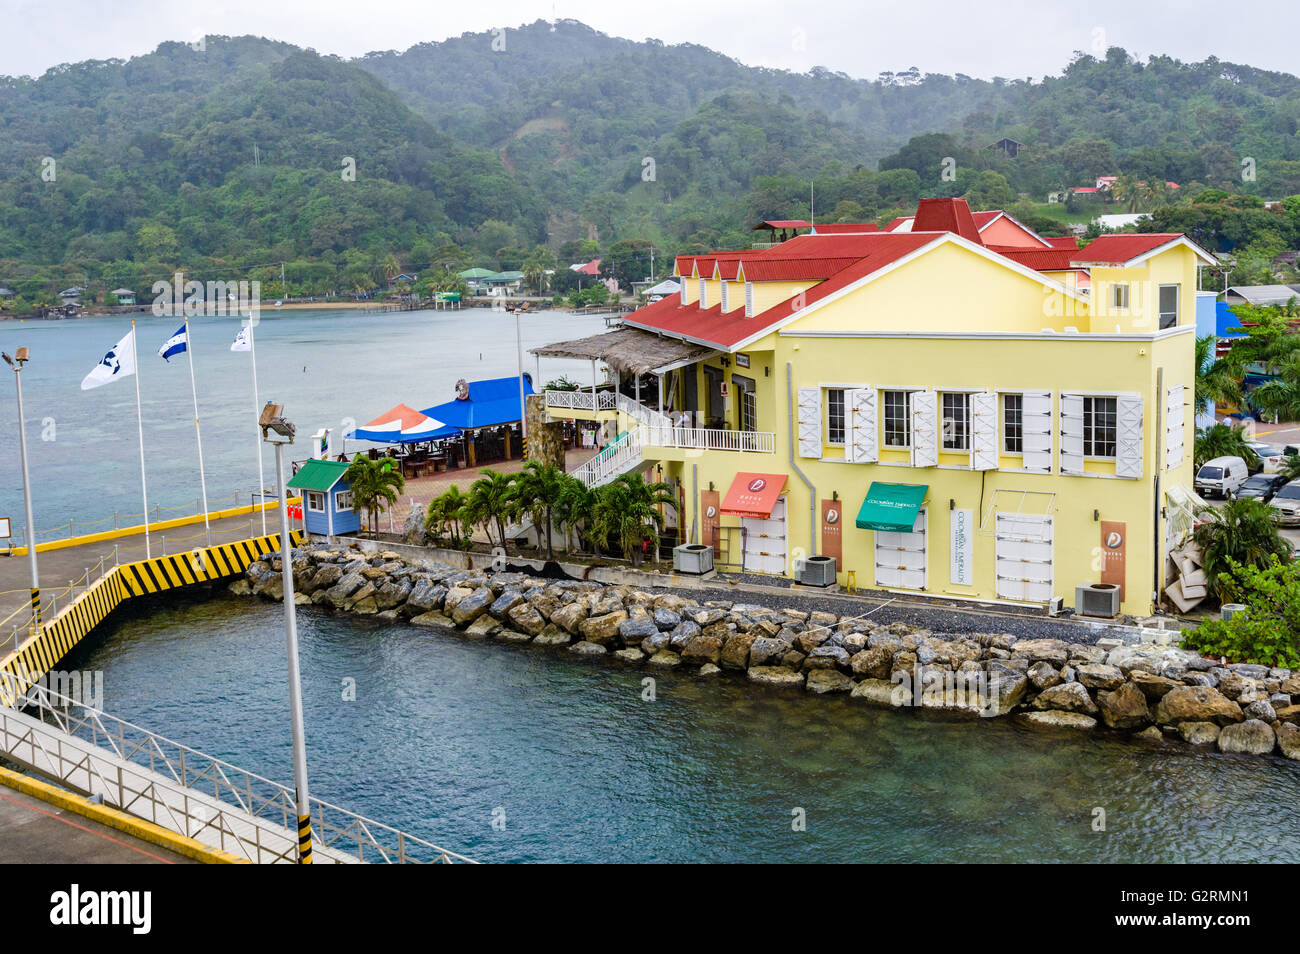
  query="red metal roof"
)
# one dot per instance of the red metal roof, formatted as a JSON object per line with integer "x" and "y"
{"x": 1061, "y": 241}
{"x": 946, "y": 215}
{"x": 1118, "y": 249}
{"x": 783, "y": 224}
{"x": 1039, "y": 259}
{"x": 846, "y": 228}
{"x": 591, "y": 268}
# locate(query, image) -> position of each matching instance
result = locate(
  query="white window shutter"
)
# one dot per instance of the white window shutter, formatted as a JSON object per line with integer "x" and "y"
{"x": 863, "y": 426}
{"x": 925, "y": 429}
{"x": 1072, "y": 433}
{"x": 1176, "y": 415}
{"x": 703, "y": 297}
{"x": 1038, "y": 430}
{"x": 1128, "y": 444}
{"x": 749, "y": 299}
{"x": 684, "y": 280}
{"x": 984, "y": 431}
{"x": 810, "y": 422}
{"x": 725, "y": 296}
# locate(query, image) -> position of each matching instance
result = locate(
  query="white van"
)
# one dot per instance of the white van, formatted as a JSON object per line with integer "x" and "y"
{"x": 1221, "y": 476}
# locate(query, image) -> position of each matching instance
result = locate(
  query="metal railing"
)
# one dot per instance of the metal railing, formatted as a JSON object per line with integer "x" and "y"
{"x": 706, "y": 438}
{"x": 185, "y": 790}
{"x": 642, "y": 414}
{"x": 620, "y": 457}
{"x": 582, "y": 400}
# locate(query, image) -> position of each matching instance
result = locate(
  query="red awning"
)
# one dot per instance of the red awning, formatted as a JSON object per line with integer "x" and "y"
{"x": 753, "y": 495}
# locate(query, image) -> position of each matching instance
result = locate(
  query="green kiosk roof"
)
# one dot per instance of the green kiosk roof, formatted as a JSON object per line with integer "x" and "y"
{"x": 318, "y": 475}
{"x": 891, "y": 506}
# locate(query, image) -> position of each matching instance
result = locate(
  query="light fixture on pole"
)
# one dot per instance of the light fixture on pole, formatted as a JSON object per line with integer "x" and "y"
{"x": 20, "y": 357}
{"x": 523, "y": 403}
{"x": 278, "y": 432}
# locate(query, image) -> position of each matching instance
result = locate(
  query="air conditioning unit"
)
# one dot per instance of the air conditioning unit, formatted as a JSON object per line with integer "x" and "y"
{"x": 1229, "y": 610}
{"x": 693, "y": 558}
{"x": 818, "y": 571}
{"x": 1097, "y": 599}
{"x": 1056, "y": 606}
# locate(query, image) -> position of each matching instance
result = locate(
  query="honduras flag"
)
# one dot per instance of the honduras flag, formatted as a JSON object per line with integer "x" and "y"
{"x": 242, "y": 342}
{"x": 118, "y": 363}
{"x": 176, "y": 344}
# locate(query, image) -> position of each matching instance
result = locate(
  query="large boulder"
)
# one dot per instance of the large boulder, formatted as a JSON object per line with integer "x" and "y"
{"x": 1054, "y": 651}
{"x": 780, "y": 676}
{"x": 873, "y": 662}
{"x": 633, "y": 631}
{"x": 473, "y": 606}
{"x": 665, "y": 659}
{"x": 1196, "y": 704}
{"x": 552, "y": 635}
{"x": 1004, "y": 689}
{"x": 413, "y": 527}
{"x": 1052, "y": 719}
{"x": 602, "y": 629}
{"x": 1067, "y": 697}
{"x": 1251, "y": 737}
{"x": 682, "y": 634}
{"x": 823, "y": 681}
{"x": 882, "y": 692}
{"x": 702, "y": 649}
{"x": 326, "y": 575}
{"x": 766, "y": 649}
{"x": 393, "y": 593}
{"x": 1288, "y": 740}
{"x": 1199, "y": 733}
{"x": 525, "y": 618}
{"x": 1043, "y": 675}
{"x": 503, "y": 604}
{"x": 827, "y": 657}
{"x": 1153, "y": 687}
{"x": 1099, "y": 676}
{"x": 666, "y": 619}
{"x": 735, "y": 651}
{"x": 570, "y": 617}
{"x": 425, "y": 596}
{"x": 1124, "y": 707}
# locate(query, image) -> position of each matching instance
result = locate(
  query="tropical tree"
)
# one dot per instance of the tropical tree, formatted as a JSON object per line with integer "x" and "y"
{"x": 1221, "y": 440}
{"x": 534, "y": 276}
{"x": 1291, "y": 467}
{"x": 627, "y": 512}
{"x": 538, "y": 490}
{"x": 1217, "y": 379}
{"x": 1241, "y": 531}
{"x": 492, "y": 502}
{"x": 375, "y": 485}
{"x": 574, "y": 510}
{"x": 447, "y": 519}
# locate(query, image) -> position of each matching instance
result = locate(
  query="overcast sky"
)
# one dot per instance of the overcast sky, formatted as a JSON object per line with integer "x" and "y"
{"x": 1011, "y": 38}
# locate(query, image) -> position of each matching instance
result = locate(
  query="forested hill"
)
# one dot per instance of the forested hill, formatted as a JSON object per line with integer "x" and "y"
{"x": 233, "y": 155}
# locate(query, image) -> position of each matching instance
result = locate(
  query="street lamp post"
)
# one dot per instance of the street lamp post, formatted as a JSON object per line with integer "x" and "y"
{"x": 278, "y": 432}
{"x": 523, "y": 402}
{"x": 17, "y": 362}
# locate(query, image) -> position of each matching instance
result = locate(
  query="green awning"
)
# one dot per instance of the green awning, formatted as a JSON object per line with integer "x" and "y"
{"x": 891, "y": 506}
{"x": 318, "y": 475}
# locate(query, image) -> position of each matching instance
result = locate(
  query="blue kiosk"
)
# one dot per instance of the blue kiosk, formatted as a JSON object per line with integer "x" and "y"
{"x": 326, "y": 498}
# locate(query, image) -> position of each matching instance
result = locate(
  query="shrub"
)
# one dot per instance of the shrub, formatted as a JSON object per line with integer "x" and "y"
{"x": 1268, "y": 632}
{"x": 1242, "y": 531}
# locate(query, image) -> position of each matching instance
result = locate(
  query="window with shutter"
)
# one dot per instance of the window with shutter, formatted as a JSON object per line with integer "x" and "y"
{"x": 810, "y": 422}
{"x": 749, "y": 299}
{"x": 1072, "y": 433}
{"x": 1013, "y": 424}
{"x": 684, "y": 280}
{"x": 1037, "y": 431}
{"x": 861, "y": 447}
{"x": 925, "y": 429}
{"x": 834, "y": 416}
{"x": 1128, "y": 443}
{"x": 984, "y": 431}
{"x": 703, "y": 297}
{"x": 898, "y": 419}
{"x": 725, "y": 297}
{"x": 955, "y": 423}
{"x": 1175, "y": 415}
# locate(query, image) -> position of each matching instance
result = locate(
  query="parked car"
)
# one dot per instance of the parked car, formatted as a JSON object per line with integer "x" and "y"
{"x": 1263, "y": 486}
{"x": 1221, "y": 477}
{"x": 1270, "y": 458}
{"x": 1286, "y": 504}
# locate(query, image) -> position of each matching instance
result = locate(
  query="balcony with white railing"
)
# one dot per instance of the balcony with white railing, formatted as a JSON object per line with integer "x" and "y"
{"x": 708, "y": 438}
{"x": 581, "y": 401}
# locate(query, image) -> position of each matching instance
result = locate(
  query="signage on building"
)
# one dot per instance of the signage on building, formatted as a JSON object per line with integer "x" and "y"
{"x": 832, "y": 542}
{"x": 709, "y": 518}
{"x": 742, "y": 361}
{"x": 1114, "y": 545}
{"x": 961, "y": 542}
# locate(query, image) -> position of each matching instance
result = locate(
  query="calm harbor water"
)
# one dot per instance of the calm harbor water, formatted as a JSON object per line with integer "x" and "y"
{"x": 329, "y": 368}
{"x": 444, "y": 731}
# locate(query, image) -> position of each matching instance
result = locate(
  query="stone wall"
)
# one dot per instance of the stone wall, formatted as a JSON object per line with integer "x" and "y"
{"x": 545, "y": 438}
{"x": 1151, "y": 693}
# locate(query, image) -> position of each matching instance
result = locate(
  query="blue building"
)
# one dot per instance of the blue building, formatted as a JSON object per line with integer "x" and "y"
{"x": 326, "y": 498}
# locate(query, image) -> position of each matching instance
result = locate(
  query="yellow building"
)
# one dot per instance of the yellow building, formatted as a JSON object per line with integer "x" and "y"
{"x": 993, "y": 423}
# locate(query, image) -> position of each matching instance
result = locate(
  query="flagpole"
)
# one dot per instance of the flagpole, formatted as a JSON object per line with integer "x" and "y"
{"x": 139, "y": 423}
{"x": 257, "y": 430}
{"x": 198, "y": 436}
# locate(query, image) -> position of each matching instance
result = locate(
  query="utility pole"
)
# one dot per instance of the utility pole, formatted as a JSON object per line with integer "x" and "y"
{"x": 17, "y": 362}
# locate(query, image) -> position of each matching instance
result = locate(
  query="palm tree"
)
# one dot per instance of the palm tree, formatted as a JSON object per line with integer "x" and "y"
{"x": 491, "y": 502}
{"x": 627, "y": 510}
{"x": 1217, "y": 379}
{"x": 534, "y": 276}
{"x": 446, "y": 517}
{"x": 1221, "y": 440}
{"x": 574, "y": 509}
{"x": 1291, "y": 467}
{"x": 375, "y": 485}
{"x": 1242, "y": 530}
{"x": 1281, "y": 395}
{"x": 539, "y": 488}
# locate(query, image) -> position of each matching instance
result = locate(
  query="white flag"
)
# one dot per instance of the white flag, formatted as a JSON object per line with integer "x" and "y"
{"x": 241, "y": 342}
{"x": 118, "y": 363}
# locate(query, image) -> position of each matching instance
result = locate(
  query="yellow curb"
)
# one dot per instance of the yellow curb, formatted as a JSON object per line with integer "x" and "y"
{"x": 120, "y": 821}
{"x": 138, "y": 529}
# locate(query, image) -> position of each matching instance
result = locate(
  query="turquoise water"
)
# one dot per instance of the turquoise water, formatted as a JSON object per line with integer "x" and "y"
{"x": 444, "y": 731}
{"x": 330, "y": 368}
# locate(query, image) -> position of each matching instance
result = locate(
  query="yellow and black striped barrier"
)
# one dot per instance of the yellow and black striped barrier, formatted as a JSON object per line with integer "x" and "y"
{"x": 304, "y": 839}
{"x": 55, "y": 639}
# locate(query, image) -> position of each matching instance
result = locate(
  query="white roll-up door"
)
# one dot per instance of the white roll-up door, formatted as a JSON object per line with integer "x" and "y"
{"x": 984, "y": 431}
{"x": 810, "y": 422}
{"x": 1023, "y": 557}
{"x": 765, "y": 541}
{"x": 925, "y": 429}
{"x": 901, "y": 560}
{"x": 1072, "y": 433}
{"x": 1176, "y": 416}
{"x": 1128, "y": 436}
{"x": 863, "y": 426}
